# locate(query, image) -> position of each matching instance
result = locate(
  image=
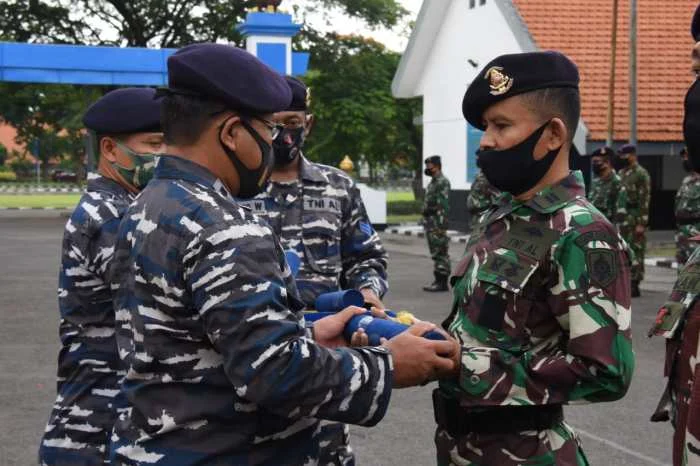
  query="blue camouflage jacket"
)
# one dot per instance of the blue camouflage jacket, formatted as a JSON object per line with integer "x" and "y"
{"x": 88, "y": 364}
{"x": 322, "y": 219}
{"x": 220, "y": 368}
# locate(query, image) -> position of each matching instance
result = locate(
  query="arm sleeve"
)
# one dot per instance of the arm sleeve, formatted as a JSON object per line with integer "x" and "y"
{"x": 620, "y": 205}
{"x": 364, "y": 258}
{"x": 595, "y": 361}
{"x": 644, "y": 198}
{"x": 235, "y": 276}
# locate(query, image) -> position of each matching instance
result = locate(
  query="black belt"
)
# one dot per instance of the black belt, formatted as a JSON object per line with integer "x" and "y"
{"x": 687, "y": 221}
{"x": 457, "y": 420}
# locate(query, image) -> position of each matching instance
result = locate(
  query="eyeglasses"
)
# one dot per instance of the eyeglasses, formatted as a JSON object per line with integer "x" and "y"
{"x": 273, "y": 127}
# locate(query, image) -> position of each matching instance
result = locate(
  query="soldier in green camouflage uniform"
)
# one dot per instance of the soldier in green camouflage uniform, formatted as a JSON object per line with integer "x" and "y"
{"x": 435, "y": 214}
{"x": 541, "y": 298}
{"x": 607, "y": 193}
{"x": 637, "y": 183}
{"x": 481, "y": 197}
{"x": 687, "y": 209}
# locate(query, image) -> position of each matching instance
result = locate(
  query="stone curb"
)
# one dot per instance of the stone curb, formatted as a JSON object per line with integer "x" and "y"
{"x": 415, "y": 230}
{"x": 664, "y": 262}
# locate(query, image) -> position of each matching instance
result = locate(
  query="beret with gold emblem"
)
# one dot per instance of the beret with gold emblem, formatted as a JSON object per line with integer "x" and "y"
{"x": 514, "y": 74}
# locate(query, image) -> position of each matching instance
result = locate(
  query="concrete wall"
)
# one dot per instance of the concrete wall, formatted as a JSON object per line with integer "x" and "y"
{"x": 447, "y": 75}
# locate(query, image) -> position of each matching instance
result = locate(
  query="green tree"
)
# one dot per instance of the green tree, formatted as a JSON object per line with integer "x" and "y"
{"x": 350, "y": 79}
{"x": 3, "y": 155}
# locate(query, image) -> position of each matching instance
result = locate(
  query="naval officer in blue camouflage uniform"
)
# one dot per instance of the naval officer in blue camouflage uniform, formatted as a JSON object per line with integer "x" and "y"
{"x": 317, "y": 212}
{"x": 221, "y": 368}
{"x": 127, "y": 123}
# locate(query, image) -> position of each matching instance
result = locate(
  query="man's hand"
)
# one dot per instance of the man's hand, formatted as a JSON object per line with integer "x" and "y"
{"x": 418, "y": 360}
{"x": 639, "y": 230}
{"x": 328, "y": 331}
{"x": 372, "y": 298}
{"x": 360, "y": 337}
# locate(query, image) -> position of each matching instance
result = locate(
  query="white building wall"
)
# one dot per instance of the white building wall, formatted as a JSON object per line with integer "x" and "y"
{"x": 479, "y": 34}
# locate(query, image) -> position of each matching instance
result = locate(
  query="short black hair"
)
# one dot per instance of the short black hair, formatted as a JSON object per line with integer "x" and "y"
{"x": 556, "y": 102}
{"x": 185, "y": 117}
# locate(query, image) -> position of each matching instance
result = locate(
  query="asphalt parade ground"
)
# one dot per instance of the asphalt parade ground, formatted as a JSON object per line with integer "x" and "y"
{"x": 616, "y": 433}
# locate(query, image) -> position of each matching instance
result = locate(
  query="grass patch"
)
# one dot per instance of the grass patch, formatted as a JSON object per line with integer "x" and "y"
{"x": 393, "y": 196}
{"x": 410, "y": 218}
{"x": 664, "y": 251}
{"x": 40, "y": 200}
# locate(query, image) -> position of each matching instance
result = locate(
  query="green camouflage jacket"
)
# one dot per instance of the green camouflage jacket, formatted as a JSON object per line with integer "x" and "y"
{"x": 638, "y": 186}
{"x": 679, "y": 322}
{"x": 436, "y": 206}
{"x": 542, "y": 308}
{"x": 610, "y": 197}
{"x": 481, "y": 197}
{"x": 687, "y": 209}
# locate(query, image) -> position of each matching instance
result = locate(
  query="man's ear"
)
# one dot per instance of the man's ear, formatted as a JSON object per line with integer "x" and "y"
{"x": 229, "y": 132}
{"x": 310, "y": 120}
{"x": 108, "y": 149}
{"x": 558, "y": 134}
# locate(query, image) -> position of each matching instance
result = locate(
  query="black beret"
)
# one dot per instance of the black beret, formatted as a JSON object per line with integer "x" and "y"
{"x": 691, "y": 120}
{"x": 300, "y": 95}
{"x": 122, "y": 111}
{"x": 434, "y": 159}
{"x": 695, "y": 25}
{"x": 510, "y": 75}
{"x": 228, "y": 75}
{"x": 604, "y": 151}
{"x": 627, "y": 149}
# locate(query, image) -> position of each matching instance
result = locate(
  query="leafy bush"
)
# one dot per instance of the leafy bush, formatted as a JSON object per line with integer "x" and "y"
{"x": 7, "y": 176}
{"x": 403, "y": 207}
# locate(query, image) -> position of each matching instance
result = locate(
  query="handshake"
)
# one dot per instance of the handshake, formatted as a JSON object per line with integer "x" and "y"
{"x": 420, "y": 352}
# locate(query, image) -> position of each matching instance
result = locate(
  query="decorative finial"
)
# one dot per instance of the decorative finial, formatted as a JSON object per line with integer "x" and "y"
{"x": 269, "y": 6}
{"x": 346, "y": 165}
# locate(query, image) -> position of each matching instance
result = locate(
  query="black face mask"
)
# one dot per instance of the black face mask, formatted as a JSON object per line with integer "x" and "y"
{"x": 621, "y": 162}
{"x": 252, "y": 182}
{"x": 428, "y": 172}
{"x": 287, "y": 145}
{"x": 598, "y": 168}
{"x": 515, "y": 170}
{"x": 686, "y": 166}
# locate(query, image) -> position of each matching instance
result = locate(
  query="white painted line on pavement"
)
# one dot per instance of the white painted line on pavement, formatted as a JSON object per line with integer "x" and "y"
{"x": 623, "y": 449}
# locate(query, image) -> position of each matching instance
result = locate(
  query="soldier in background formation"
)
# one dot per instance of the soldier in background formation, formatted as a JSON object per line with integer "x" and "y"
{"x": 541, "y": 298}
{"x": 637, "y": 184}
{"x": 607, "y": 193}
{"x": 317, "y": 212}
{"x": 687, "y": 210}
{"x": 436, "y": 209}
{"x": 482, "y": 196}
{"x": 220, "y": 366}
{"x": 678, "y": 320}
{"x": 128, "y": 133}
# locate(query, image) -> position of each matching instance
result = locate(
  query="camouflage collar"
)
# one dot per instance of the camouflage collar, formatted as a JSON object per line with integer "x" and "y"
{"x": 553, "y": 198}
{"x": 550, "y": 199}
{"x": 170, "y": 167}
{"x": 98, "y": 182}
{"x": 309, "y": 171}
